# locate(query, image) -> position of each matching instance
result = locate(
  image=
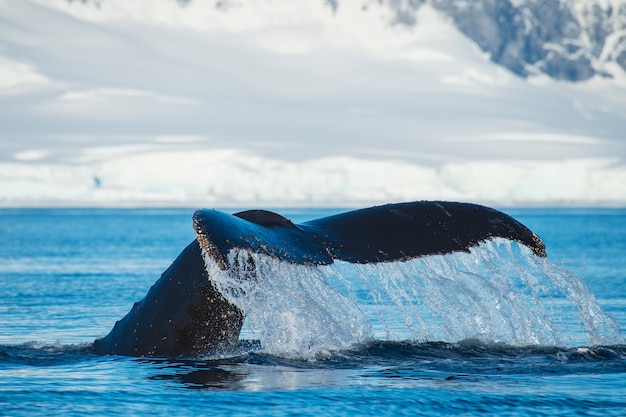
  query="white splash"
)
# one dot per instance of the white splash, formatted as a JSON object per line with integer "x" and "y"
{"x": 499, "y": 292}
{"x": 291, "y": 308}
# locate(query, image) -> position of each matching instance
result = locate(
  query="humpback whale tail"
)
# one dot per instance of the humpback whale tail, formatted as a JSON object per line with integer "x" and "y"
{"x": 184, "y": 314}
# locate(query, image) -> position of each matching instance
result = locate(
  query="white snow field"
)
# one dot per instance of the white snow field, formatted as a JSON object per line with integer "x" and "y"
{"x": 285, "y": 103}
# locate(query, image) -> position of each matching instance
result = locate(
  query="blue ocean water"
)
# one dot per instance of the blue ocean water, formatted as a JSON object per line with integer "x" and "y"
{"x": 496, "y": 331}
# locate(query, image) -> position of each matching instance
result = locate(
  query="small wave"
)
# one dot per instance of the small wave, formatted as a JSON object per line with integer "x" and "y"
{"x": 44, "y": 354}
{"x": 471, "y": 350}
{"x": 387, "y": 362}
{"x": 377, "y": 363}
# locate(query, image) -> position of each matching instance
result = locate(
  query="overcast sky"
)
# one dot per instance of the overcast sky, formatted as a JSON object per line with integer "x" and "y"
{"x": 84, "y": 89}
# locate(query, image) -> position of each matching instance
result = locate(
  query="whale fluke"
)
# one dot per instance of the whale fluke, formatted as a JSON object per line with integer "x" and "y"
{"x": 393, "y": 232}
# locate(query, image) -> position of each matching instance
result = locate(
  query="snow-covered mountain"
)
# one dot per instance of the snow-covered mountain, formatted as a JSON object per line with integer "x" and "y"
{"x": 570, "y": 40}
{"x": 314, "y": 102}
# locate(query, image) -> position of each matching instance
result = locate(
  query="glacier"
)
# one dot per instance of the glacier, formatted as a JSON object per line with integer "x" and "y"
{"x": 273, "y": 103}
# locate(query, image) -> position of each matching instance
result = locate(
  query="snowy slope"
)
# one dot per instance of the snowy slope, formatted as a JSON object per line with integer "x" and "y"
{"x": 568, "y": 39}
{"x": 275, "y": 102}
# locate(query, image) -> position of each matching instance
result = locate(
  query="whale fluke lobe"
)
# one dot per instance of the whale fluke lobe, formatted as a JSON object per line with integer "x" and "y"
{"x": 184, "y": 314}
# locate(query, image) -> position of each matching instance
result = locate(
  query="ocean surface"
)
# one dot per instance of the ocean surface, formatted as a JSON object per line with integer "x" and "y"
{"x": 495, "y": 331}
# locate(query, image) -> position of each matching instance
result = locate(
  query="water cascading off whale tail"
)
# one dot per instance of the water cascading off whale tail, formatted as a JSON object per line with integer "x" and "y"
{"x": 422, "y": 271}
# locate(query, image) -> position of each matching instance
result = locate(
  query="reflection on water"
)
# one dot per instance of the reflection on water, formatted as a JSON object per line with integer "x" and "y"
{"x": 197, "y": 375}
{"x": 379, "y": 364}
